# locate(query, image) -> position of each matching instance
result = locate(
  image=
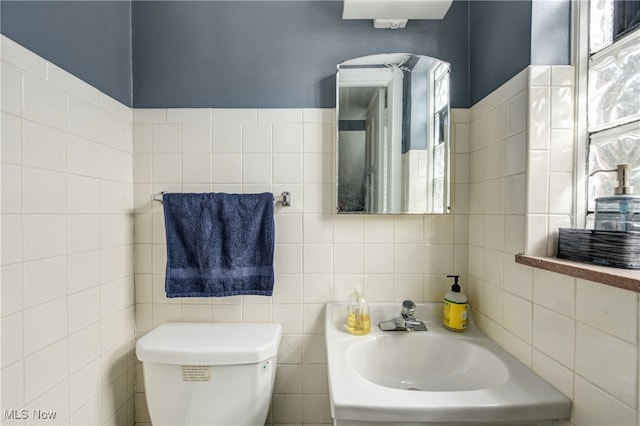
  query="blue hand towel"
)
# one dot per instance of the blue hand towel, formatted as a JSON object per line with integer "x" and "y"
{"x": 219, "y": 244}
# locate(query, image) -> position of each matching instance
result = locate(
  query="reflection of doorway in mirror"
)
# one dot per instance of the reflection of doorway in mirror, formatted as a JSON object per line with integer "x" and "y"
{"x": 351, "y": 168}
{"x": 405, "y": 135}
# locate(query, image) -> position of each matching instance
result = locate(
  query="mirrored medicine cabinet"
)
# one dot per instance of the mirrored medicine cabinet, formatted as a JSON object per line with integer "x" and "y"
{"x": 392, "y": 150}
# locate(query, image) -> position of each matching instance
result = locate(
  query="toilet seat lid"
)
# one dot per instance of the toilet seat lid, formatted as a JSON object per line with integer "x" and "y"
{"x": 199, "y": 343}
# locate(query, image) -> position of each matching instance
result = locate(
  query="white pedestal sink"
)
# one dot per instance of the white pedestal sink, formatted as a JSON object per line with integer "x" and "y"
{"x": 437, "y": 377}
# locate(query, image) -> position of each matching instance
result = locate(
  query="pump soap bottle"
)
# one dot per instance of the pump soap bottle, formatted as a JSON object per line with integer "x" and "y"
{"x": 620, "y": 212}
{"x": 455, "y": 307}
{"x": 358, "y": 320}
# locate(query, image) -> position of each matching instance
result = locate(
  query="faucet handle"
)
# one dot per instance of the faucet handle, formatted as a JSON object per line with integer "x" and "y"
{"x": 408, "y": 307}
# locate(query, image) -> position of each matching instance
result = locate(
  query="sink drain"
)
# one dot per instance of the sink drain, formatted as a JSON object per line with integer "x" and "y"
{"x": 413, "y": 389}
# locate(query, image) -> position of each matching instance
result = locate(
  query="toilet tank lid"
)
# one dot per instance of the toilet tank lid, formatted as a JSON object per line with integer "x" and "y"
{"x": 198, "y": 343}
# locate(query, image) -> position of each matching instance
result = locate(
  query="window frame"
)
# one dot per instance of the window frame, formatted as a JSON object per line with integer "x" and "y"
{"x": 580, "y": 59}
{"x": 580, "y": 56}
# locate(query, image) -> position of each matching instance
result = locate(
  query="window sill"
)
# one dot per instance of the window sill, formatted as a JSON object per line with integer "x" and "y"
{"x": 627, "y": 279}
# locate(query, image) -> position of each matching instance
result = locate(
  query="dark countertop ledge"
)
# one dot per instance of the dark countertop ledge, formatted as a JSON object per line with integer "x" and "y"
{"x": 628, "y": 279}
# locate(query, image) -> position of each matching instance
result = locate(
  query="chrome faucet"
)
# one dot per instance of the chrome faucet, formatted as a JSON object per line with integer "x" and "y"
{"x": 405, "y": 322}
{"x": 408, "y": 308}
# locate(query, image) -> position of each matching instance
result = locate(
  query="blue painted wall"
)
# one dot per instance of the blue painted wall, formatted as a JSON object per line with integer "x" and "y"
{"x": 551, "y": 32}
{"x": 499, "y": 43}
{"x": 89, "y": 39}
{"x": 277, "y": 54}
{"x": 507, "y": 36}
{"x": 274, "y": 54}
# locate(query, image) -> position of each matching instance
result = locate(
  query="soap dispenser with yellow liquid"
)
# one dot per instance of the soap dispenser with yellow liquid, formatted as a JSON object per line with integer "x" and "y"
{"x": 455, "y": 307}
{"x": 358, "y": 319}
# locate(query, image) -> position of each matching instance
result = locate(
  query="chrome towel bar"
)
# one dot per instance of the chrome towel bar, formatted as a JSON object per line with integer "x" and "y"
{"x": 284, "y": 198}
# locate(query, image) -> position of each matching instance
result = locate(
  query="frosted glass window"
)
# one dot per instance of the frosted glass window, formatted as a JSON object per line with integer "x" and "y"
{"x": 608, "y": 149}
{"x": 442, "y": 88}
{"x": 613, "y": 97}
{"x": 610, "y": 20}
{"x": 614, "y": 84}
{"x": 438, "y": 161}
{"x": 600, "y": 24}
{"x": 438, "y": 195}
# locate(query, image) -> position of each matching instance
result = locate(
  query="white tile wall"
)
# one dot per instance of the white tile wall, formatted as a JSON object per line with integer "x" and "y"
{"x": 550, "y": 153}
{"x": 580, "y": 336}
{"x": 319, "y": 256}
{"x": 70, "y": 181}
{"x": 66, "y": 228}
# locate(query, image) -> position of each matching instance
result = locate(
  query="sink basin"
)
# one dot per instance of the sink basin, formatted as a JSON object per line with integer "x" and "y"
{"x": 410, "y": 361}
{"x": 434, "y": 377}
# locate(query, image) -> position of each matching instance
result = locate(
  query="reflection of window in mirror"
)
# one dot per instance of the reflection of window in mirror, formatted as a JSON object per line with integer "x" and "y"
{"x": 441, "y": 122}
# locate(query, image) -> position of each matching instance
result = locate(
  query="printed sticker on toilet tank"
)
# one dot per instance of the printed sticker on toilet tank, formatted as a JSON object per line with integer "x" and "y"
{"x": 195, "y": 373}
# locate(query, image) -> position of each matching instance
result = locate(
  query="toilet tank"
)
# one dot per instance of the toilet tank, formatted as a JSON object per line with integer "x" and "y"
{"x": 209, "y": 373}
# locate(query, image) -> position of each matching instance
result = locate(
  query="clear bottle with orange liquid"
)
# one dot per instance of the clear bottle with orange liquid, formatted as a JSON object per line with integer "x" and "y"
{"x": 358, "y": 319}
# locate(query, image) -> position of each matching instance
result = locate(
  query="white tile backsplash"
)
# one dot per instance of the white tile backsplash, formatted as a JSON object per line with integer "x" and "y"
{"x": 43, "y": 146}
{"x": 227, "y": 137}
{"x": 239, "y": 115}
{"x": 287, "y": 138}
{"x": 83, "y": 157}
{"x": 319, "y": 256}
{"x": 11, "y": 148}
{"x": 83, "y": 118}
{"x": 515, "y": 190}
{"x": 73, "y": 195}
{"x": 166, "y": 138}
{"x": 554, "y": 334}
{"x": 555, "y": 373}
{"x": 518, "y": 316}
{"x": 44, "y": 236}
{"x": 593, "y": 304}
{"x": 196, "y": 137}
{"x": 188, "y": 115}
{"x": 69, "y": 83}
{"x": 280, "y": 115}
{"x": 562, "y": 107}
{"x": 166, "y": 168}
{"x": 84, "y": 308}
{"x": 562, "y": 153}
{"x": 594, "y": 406}
{"x": 550, "y": 321}
{"x": 227, "y": 168}
{"x": 46, "y": 368}
{"x": 11, "y": 88}
{"x": 256, "y": 138}
{"x": 539, "y": 117}
{"x": 257, "y": 169}
{"x": 539, "y": 75}
{"x": 43, "y": 102}
{"x": 608, "y": 362}
{"x": 12, "y": 330}
{"x": 516, "y": 154}
{"x": 196, "y": 168}
{"x": 44, "y": 191}
{"x": 560, "y": 193}
{"x": 115, "y": 131}
{"x": 494, "y": 160}
{"x": 44, "y": 280}
{"x": 516, "y": 110}
{"x": 538, "y": 182}
{"x": 554, "y": 292}
{"x": 53, "y": 156}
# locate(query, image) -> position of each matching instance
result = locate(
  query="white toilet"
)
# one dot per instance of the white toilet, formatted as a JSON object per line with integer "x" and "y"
{"x": 209, "y": 373}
